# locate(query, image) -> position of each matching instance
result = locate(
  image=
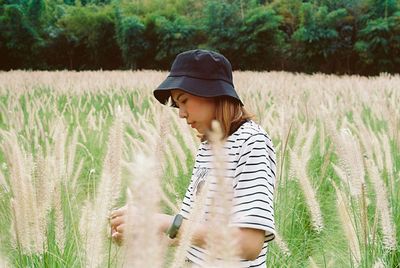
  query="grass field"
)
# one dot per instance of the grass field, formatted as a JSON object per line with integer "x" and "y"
{"x": 74, "y": 145}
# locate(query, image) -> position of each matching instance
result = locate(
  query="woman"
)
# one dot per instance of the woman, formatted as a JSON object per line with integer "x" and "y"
{"x": 200, "y": 85}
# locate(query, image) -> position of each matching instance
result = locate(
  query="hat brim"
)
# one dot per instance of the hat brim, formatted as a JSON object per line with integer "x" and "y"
{"x": 195, "y": 86}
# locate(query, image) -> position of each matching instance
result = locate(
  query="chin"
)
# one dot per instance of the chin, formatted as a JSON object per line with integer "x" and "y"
{"x": 200, "y": 131}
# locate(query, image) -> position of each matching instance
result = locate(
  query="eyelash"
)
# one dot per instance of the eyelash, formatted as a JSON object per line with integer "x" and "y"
{"x": 183, "y": 102}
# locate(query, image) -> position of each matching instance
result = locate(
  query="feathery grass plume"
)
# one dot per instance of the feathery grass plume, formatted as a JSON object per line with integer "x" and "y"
{"x": 282, "y": 244}
{"x": 93, "y": 224}
{"x": 386, "y": 220}
{"x": 296, "y": 147}
{"x": 370, "y": 141}
{"x": 44, "y": 182}
{"x": 155, "y": 134}
{"x": 144, "y": 246}
{"x": 351, "y": 167}
{"x": 46, "y": 173}
{"x": 62, "y": 157}
{"x": 113, "y": 159}
{"x": 300, "y": 168}
{"x": 344, "y": 214}
{"x": 164, "y": 127}
{"x": 221, "y": 242}
{"x": 27, "y": 220}
{"x": 60, "y": 169}
{"x": 309, "y": 194}
{"x": 187, "y": 232}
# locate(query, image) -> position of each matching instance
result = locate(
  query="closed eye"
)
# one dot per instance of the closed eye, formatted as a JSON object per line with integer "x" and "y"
{"x": 181, "y": 102}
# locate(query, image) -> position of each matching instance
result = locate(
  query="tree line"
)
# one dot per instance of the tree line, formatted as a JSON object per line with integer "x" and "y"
{"x": 330, "y": 36}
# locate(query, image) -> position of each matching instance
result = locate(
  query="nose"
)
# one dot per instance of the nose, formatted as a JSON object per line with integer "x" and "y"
{"x": 182, "y": 113}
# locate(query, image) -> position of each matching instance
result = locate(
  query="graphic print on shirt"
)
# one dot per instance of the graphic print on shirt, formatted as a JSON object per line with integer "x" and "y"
{"x": 199, "y": 181}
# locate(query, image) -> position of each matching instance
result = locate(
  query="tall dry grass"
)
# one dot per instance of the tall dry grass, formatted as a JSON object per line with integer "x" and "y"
{"x": 94, "y": 228}
{"x": 68, "y": 156}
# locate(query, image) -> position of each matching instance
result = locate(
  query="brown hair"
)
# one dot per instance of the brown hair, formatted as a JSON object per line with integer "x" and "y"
{"x": 230, "y": 114}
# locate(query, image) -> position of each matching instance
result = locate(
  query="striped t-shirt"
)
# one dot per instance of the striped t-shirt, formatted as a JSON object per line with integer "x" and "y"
{"x": 251, "y": 166}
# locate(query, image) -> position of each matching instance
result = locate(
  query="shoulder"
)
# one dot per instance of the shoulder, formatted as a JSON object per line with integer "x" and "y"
{"x": 249, "y": 132}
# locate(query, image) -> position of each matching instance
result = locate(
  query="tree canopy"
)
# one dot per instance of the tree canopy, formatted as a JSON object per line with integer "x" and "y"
{"x": 341, "y": 36}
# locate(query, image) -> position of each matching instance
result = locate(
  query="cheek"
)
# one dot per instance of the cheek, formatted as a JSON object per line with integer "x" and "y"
{"x": 208, "y": 111}
{"x": 202, "y": 110}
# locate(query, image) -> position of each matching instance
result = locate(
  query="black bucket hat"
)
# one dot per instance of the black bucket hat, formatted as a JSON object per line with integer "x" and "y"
{"x": 201, "y": 73}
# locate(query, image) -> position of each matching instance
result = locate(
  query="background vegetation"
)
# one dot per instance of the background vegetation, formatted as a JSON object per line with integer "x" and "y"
{"x": 331, "y": 36}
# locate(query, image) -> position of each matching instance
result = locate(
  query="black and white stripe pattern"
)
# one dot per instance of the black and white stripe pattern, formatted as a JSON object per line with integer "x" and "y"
{"x": 251, "y": 166}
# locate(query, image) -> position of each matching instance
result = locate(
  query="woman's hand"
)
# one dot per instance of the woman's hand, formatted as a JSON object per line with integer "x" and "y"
{"x": 118, "y": 223}
{"x": 250, "y": 240}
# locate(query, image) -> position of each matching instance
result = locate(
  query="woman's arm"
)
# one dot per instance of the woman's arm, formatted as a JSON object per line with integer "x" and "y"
{"x": 250, "y": 241}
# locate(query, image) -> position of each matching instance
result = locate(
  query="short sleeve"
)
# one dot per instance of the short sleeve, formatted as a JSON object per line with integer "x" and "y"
{"x": 254, "y": 184}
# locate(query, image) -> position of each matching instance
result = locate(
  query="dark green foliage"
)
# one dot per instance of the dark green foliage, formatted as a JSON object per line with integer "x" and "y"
{"x": 321, "y": 37}
{"x": 374, "y": 9}
{"x": 379, "y": 44}
{"x": 173, "y": 35}
{"x": 35, "y": 12}
{"x": 17, "y": 38}
{"x": 69, "y": 2}
{"x": 261, "y": 41}
{"x": 222, "y": 23}
{"x": 91, "y": 32}
{"x": 130, "y": 36}
{"x": 332, "y": 36}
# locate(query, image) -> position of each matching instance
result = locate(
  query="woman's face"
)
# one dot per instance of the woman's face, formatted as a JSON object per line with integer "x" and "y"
{"x": 198, "y": 111}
